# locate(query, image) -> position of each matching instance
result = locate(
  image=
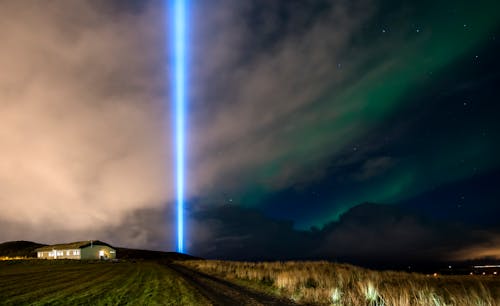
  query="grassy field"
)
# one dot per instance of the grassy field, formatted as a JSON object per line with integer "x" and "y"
{"x": 45, "y": 282}
{"x": 66, "y": 282}
{"x": 326, "y": 283}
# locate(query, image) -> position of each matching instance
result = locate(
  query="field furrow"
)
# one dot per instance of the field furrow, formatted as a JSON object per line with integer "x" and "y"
{"x": 37, "y": 282}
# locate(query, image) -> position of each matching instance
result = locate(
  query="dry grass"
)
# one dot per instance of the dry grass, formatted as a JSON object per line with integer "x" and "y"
{"x": 326, "y": 283}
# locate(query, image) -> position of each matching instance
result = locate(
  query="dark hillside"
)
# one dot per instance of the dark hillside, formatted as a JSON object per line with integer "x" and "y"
{"x": 124, "y": 253}
{"x": 19, "y": 248}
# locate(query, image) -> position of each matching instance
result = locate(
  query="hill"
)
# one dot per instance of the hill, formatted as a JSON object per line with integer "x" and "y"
{"x": 19, "y": 248}
{"x": 125, "y": 253}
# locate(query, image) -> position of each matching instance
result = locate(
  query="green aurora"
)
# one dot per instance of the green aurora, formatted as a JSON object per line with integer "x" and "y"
{"x": 388, "y": 69}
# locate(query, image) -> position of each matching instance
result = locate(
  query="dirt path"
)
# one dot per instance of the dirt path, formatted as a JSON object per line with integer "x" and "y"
{"x": 221, "y": 292}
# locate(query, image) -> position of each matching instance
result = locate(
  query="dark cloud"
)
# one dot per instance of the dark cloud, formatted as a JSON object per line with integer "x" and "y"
{"x": 242, "y": 233}
{"x": 373, "y": 167}
{"x": 366, "y": 233}
{"x": 385, "y": 233}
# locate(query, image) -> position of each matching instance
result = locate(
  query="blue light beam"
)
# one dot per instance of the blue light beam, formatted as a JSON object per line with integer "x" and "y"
{"x": 179, "y": 97}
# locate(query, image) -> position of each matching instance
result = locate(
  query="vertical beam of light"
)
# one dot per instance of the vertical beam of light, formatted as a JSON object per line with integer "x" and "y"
{"x": 179, "y": 98}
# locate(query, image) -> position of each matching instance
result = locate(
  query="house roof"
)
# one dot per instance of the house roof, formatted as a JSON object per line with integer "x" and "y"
{"x": 71, "y": 245}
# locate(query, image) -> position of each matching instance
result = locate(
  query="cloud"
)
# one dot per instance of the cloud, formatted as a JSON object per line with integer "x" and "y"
{"x": 253, "y": 97}
{"x": 232, "y": 232}
{"x": 367, "y": 233}
{"x": 373, "y": 167}
{"x": 86, "y": 137}
{"x": 148, "y": 228}
{"x": 483, "y": 250}
{"x": 83, "y": 121}
{"x": 391, "y": 233}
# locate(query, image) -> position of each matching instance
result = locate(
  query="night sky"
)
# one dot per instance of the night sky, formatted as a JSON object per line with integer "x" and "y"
{"x": 345, "y": 130}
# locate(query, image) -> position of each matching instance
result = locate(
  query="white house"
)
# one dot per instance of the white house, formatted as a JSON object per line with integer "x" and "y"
{"x": 91, "y": 249}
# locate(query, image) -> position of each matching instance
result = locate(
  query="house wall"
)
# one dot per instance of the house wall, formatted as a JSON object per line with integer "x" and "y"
{"x": 60, "y": 254}
{"x": 43, "y": 255}
{"x": 92, "y": 252}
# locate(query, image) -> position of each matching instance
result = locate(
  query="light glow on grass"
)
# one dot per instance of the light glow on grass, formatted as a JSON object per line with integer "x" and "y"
{"x": 179, "y": 26}
{"x": 336, "y": 295}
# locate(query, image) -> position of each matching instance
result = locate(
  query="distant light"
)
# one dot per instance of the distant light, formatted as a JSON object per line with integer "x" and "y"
{"x": 435, "y": 274}
{"x": 495, "y": 273}
{"x": 336, "y": 295}
{"x": 179, "y": 11}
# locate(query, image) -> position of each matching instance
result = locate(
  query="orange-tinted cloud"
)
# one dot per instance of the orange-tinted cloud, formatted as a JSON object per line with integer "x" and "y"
{"x": 84, "y": 136}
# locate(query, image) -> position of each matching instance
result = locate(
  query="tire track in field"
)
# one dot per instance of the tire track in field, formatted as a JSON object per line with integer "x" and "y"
{"x": 221, "y": 292}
